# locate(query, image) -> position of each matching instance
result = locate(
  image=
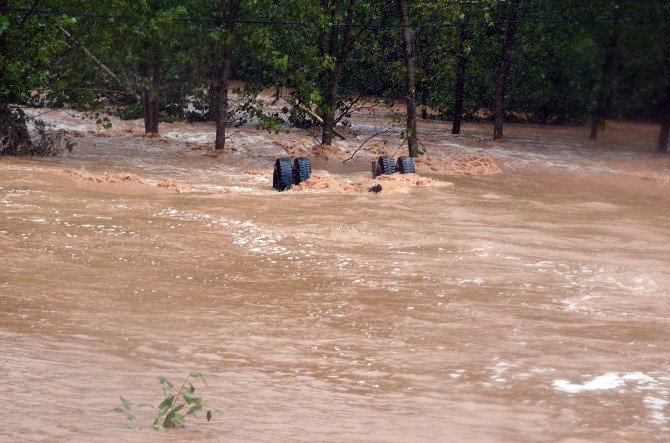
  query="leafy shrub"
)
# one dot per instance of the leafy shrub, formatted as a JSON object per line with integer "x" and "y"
{"x": 170, "y": 412}
{"x": 17, "y": 140}
{"x": 132, "y": 112}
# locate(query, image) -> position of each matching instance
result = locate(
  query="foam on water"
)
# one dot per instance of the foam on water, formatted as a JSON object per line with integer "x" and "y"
{"x": 601, "y": 383}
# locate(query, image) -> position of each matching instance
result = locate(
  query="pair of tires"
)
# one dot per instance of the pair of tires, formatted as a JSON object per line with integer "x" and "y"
{"x": 288, "y": 173}
{"x": 385, "y": 165}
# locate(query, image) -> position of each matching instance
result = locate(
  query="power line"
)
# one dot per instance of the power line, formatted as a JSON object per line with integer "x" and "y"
{"x": 260, "y": 22}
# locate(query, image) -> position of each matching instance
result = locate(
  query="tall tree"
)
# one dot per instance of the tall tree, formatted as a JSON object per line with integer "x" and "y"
{"x": 459, "y": 85}
{"x": 138, "y": 53}
{"x": 410, "y": 84}
{"x": 229, "y": 44}
{"x": 341, "y": 38}
{"x": 511, "y": 19}
{"x": 28, "y": 48}
{"x": 664, "y": 134}
{"x": 4, "y": 24}
{"x": 230, "y": 11}
{"x": 150, "y": 71}
{"x": 603, "y": 108}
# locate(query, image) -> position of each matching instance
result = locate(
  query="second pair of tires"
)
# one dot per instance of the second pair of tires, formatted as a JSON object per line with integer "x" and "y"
{"x": 385, "y": 165}
{"x": 288, "y": 173}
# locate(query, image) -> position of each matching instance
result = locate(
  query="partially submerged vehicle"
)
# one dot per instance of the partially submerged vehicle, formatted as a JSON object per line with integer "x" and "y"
{"x": 288, "y": 173}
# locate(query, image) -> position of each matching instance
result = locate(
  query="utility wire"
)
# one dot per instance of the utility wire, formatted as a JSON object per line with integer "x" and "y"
{"x": 220, "y": 22}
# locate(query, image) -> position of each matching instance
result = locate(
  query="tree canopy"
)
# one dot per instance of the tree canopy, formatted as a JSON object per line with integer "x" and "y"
{"x": 568, "y": 61}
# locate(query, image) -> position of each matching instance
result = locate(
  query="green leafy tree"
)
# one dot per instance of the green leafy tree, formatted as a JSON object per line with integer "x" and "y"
{"x": 29, "y": 56}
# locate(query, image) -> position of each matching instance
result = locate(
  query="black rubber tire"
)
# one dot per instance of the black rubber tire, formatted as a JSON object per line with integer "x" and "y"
{"x": 405, "y": 165}
{"x": 386, "y": 165}
{"x": 282, "y": 178}
{"x": 302, "y": 170}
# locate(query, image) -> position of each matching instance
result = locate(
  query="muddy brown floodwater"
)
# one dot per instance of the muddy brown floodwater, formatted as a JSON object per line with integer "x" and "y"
{"x": 527, "y": 303}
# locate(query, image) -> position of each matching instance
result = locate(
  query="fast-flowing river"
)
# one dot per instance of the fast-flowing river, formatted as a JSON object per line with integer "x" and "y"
{"x": 528, "y": 305}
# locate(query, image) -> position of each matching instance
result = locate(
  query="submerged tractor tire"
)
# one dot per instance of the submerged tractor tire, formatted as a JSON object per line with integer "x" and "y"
{"x": 405, "y": 165}
{"x": 386, "y": 165}
{"x": 302, "y": 170}
{"x": 282, "y": 178}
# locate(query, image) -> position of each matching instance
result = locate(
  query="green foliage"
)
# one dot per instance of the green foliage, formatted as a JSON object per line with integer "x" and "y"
{"x": 125, "y": 410}
{"x": 131, "y": 112}
{"x": 555, "y": 74}
{"x": 48, "y": 141}
{"x": 22, "y": 135}
{"x": 175, "y": 407}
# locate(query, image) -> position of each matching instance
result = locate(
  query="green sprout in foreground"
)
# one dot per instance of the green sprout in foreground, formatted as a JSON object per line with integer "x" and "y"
{"x": 170, "y": 412}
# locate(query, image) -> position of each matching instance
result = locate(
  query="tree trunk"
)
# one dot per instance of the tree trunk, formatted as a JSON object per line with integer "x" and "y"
{"x": 223, "y": 71}
{"x": 222, "y": 98}
{"x": 150, "y": 95}
{"x": 4, "y": 98}
{"x": 146, "y": 106}
{"x": 328, "y": 132}
{"x": 604, "y": 106}
{"x": 332, "y": 96}
{"x": 145, "y": 96}
{"x": 155, "y": 100}
{"x": 410, "y": 85}
{"x": 512, "y": 16}
{"x": 423, "y": 86}
{"x": 664, "y": 134}
{"x": 211, "y": 99}
{"x": 459, "y": 88}
{"x": 332, "y": 86}
{"x": 339, "y": 47}
{"x": 328, "y": 125}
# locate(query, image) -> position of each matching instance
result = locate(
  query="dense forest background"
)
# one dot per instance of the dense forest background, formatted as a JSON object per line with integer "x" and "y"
{"x": 544, "y": 61}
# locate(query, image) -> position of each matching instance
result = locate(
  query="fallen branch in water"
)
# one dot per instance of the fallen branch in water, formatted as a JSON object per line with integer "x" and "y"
{"x": 376, "y": 134}
{"x": 318, "y": 118}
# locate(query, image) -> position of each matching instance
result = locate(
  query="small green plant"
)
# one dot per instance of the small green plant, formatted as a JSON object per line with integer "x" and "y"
{"x": 175, "y": 408}
{"x": 125, "y": 408}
